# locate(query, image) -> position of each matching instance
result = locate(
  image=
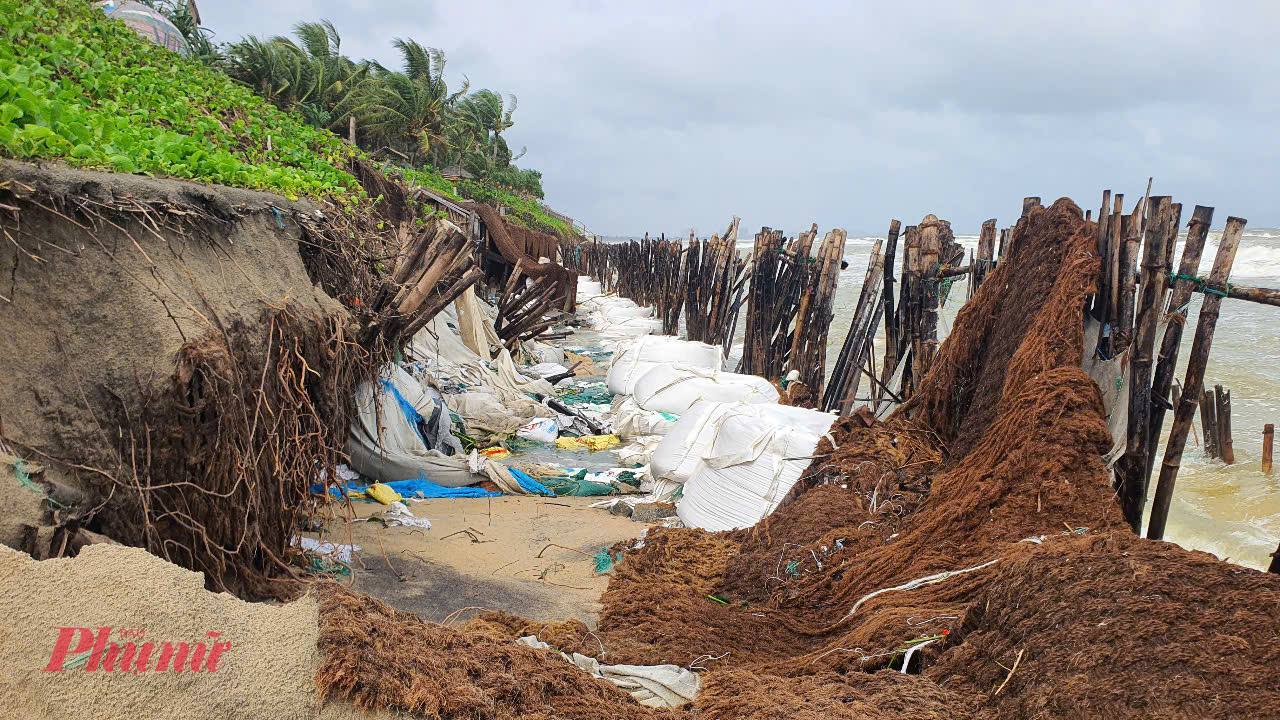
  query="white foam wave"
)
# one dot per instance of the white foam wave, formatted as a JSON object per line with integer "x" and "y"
{"x": 1255, "y": 261}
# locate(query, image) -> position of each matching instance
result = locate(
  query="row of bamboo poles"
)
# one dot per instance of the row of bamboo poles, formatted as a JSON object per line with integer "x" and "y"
{"x": 1141, "y": 303}
{"x": 929, "y": 254}
{"x": 789, "y": 292}
{"x": 702, "y": 281}
{"x": 790, "y": 300}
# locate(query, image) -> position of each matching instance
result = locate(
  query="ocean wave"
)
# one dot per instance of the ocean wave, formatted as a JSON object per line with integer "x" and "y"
{"x": 1255, "y": 261}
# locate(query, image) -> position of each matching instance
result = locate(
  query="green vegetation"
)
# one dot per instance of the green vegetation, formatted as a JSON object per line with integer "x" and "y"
{"x": 76, "y": 85}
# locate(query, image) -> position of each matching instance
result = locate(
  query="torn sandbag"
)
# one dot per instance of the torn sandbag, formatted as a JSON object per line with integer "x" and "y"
{"x": 650, "y": 685}
{"x": 401, "y": 431}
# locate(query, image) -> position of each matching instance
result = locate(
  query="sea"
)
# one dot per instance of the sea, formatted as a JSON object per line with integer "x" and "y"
{"x": 1231, "y": 511}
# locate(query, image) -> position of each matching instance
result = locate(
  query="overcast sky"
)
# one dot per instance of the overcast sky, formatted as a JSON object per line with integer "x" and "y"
{"x": 656, "y": 116}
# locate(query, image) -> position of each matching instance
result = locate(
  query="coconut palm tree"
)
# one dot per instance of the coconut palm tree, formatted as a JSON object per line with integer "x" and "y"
{"x": 413, "y": 108}
{"x": 315, "y": 78}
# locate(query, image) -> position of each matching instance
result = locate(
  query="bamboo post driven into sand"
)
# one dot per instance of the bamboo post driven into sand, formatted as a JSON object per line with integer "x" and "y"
{"x": 1194, "y": 383}
{"x": 1223, "y": 402}
{"x": 1114, "y": 252}
{"x": 1102, "y": 298}
{"x": 891, "y": 328}
{"x": 1268, "y": 438}
{"x": 1132, "y": 471}
{"x": 926, "y": 345}
{"x": 840, "y": 393}
{"x": 986, "y": 253}
{"x": 1122, "y": 331}
{"x": 1209, "y": 421}
{"x": 1183, "y": 288}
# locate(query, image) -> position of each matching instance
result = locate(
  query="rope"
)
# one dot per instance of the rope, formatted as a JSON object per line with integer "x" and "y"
{"x": 1201, "y": 285}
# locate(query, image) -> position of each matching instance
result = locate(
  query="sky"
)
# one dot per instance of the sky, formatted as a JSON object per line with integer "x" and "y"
{"x": 671, "y": 116}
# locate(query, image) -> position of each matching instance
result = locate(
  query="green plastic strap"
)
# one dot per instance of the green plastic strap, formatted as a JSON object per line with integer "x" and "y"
{"x": 1202, "y": 286}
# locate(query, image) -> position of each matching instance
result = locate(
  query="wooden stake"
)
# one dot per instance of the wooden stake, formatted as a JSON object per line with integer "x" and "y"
{"x": 1133, "y": 469}
{"x": 1209, "y": 421}
{"x": 1268, "y": 437}
{"x": 1114, "y": 252}
{"x": 1225, "y": 449}
{"x": 1194, "y": 382}
{"x": 1176, "y": 312}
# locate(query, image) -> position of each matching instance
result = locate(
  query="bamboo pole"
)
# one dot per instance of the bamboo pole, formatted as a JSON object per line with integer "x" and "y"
{"x": 1197, "y": 232}
{"x": 1194, "y": 382}
{"x": 844, "y": 384}
{"x": 986, "y": 251}
{"x": 1209, "y": 421}
{"x": 1225, "y": 447}
{"x": 1102, "y": 300}
{"x": 890, "y": 364}
{"x": 930, "y": 246}
{"x": 1114, "y": 251}
{"x": 1133, "y": 475}
{"x": 1268, "y": 438}
{"x": 1122, "y": 333}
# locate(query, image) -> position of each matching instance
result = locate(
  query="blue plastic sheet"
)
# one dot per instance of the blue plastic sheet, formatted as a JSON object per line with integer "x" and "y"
{"x": 411, "y": 488}
{"x": 529, "y": 484}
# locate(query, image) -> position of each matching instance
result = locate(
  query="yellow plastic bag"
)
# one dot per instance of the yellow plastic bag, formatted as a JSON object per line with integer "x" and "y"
{"x": 588, "y": 442}
{"x": 496, "y": 452}
{"x": 382, "y": 493}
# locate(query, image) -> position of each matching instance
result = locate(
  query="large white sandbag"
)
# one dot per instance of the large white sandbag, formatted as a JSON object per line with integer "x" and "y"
{"x": 746, "y": 472}
{"x": 616, "y": 313}
{"x": 587, "y": 288}
{"x": 675, "y": 388}
{"x": 682, "y": 448}
{"x": 634, "y": 358}
{"x": 632, "y": 421}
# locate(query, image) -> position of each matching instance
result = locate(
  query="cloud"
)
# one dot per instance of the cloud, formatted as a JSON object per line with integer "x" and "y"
{"x": 666, "y": 116}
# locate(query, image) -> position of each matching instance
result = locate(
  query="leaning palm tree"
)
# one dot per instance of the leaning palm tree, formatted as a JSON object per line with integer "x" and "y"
{"x": 487, "y": 110}
{"x": 413, "y": 108}
{"x": 315, "y": 78}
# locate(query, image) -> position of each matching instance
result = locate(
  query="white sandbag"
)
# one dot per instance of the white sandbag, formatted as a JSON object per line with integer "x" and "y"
{"x": 484, "y": 413}
{"x": 633, "y": 358}
{"x": 616, "y": 313}
{"x": 675, "y": 388}
{"x": 682, "y": 448}
{"x": 543, "y": 430}
{"x": 631, "y": 421}
{"x": 547, "y": 369}
{"x": 587, "y": 288}
{"x": 745, "y": 473}
{"x": 635, "y": 326}
{"x": 548, "y": 353}
{"x": 639, "y": 451}
{"x": 400, "y": 430}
